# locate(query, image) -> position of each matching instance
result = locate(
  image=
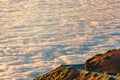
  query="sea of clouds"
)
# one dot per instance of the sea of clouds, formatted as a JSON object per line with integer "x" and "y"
{"x": 38, "y": 35}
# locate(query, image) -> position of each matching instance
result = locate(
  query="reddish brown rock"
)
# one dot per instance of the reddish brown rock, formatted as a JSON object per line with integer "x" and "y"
{"x": 108, "y": 62}
{"x": 69, "y": 73}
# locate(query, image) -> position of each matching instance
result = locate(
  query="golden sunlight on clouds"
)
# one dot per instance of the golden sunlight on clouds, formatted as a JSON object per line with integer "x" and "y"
{"x": 94, "y": 23}
{"x": 4, "y": 0}
{"x": 38, "y": 35}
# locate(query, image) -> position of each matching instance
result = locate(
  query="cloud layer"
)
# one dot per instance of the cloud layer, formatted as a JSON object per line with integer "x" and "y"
{"x": 38, "y": 35}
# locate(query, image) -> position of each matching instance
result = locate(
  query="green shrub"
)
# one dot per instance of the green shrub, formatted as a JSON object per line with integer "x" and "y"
{"x": 94, "y": 75}
{"x": 108, "y": 78}
{"x": 118, "y": 75}
{"x": 64, "y": 73}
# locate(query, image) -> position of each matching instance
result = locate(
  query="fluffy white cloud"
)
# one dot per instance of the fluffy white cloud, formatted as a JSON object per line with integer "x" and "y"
{"x": 38, "y": 35}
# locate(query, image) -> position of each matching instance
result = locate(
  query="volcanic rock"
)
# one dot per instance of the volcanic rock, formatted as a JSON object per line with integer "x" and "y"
{"x": 73, "y": 72}
{"x": 93, "y": 69}
{"x": 104, "y": 63}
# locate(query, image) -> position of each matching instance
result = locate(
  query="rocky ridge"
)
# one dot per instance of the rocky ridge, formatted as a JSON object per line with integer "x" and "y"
{"x": 100, "y": 67}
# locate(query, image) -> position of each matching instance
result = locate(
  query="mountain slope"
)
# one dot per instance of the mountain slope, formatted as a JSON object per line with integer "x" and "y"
{"x": 99, "y": 67}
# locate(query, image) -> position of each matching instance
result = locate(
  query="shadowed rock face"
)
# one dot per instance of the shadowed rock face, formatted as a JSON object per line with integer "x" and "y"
{"x": 108, "y": 62}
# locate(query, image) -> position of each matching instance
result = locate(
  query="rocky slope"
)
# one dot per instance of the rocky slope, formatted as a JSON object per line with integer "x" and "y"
{"x": 108, "y": 63}
{"x": 105, "y": 63}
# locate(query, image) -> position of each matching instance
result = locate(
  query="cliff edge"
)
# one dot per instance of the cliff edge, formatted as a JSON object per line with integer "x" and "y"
{"x": 100, "y": 67}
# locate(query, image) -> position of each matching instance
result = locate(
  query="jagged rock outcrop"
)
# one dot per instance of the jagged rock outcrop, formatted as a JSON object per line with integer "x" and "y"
{"x": 73, "y": 72}
{"x": 104, "y": 63}
{"x": 93, "y": 69}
